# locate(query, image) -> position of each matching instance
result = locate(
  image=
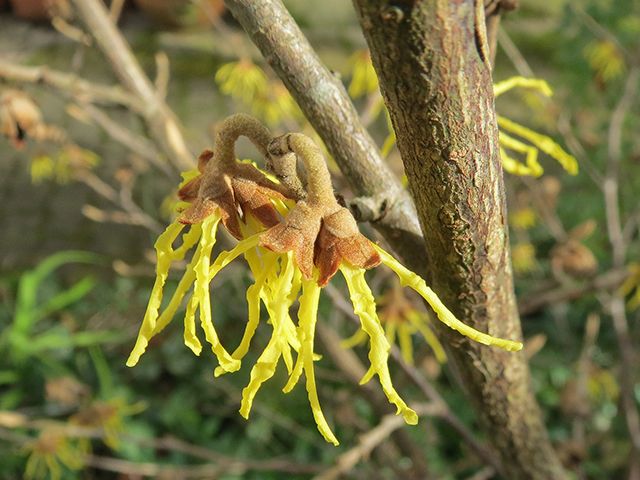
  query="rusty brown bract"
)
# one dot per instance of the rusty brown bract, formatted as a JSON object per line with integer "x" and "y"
{"x": 227, "y": 187}
{"x": 318, "y": 230}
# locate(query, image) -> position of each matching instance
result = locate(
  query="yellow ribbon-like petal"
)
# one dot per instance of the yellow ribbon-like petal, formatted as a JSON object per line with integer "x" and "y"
{"x": 151, "y": 323}
{"x": 542, "y": 142}
{"x": 513, "y": 82}
{"x": 410, "y": 279}
{"x": 531, "y": 167}
{"x": 307, "y": 316}
{"x": 365, "y": 308}
{"x": 201, "y": 295}
{"x": 277, "y": 307}
{"x": 419, "y": 322}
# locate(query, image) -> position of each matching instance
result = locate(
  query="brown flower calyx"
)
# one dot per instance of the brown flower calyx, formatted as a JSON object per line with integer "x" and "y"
{"x": 318, "y": 230}
{"x": 236, "y": 189}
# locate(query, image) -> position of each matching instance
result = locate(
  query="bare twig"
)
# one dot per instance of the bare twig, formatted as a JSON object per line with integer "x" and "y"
{"x": 328, "y": 108}
{"x": 212, "y": 470}
{"x": 136, "y": 214}
{"x": 219, "y": 463}
{"x": 115, "y": 9}
{"x": 349, "y": 363}
{"x": 493, "y": 11}
{"x": 136, "y": 143}
{"x": 162, "y": 74}
{"x": 163, "y": 125}
{"x": 619, "y": 249}
{"x": 71, "y": 85}
{"x": 371, "y": 440}
{"x": 607, "y": 281}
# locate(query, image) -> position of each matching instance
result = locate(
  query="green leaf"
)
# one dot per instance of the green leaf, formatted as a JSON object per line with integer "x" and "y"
{"x": 65, "y": 298}
{"x": 26, "y": 305}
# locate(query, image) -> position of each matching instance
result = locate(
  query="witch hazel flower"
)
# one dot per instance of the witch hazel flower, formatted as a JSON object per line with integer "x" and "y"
{"x": 294, "y": 236}
{"x": 224, "y": 191}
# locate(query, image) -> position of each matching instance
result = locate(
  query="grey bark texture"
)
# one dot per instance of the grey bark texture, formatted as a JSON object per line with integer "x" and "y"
{"x": 329, "y": 109}
{"x": 432, "y": 60}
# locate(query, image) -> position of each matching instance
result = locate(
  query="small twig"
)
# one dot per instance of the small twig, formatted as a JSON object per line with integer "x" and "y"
{"x": 115, "y": 10}
{"x": 371, "y": 440}
{"x": 162, "y": 74}
{"x": 163, "y": 125}
{"x": 212, "y": 470}
{"x": 578, "y": 151}
{"x": 219, "y": 463}
{"x": 592, "y": 328}
{"x": 116, "y": 216}
{"x": 514, "y": 55}
{"x": 137, "y": 215}
{"x": 619, "y": 250}
{"x": 614, "y": 223}
{"x": 136, "y": 143}
{"x": 484, "y": 474}
{"x": 493, "y": 12}
{"x": 71, "y": 85}
{"x": 607, "y": 281}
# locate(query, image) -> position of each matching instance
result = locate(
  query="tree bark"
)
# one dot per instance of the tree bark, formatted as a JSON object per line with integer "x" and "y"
{"x": 432, "y": 60}
{"x": 325, "y": 103}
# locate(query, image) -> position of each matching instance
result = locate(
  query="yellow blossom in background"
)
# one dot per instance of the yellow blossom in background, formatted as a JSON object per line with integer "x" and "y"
{"x": 61, "y": 166}
{"x": 53, "y": 452}
{"x": 606, "y": 59}
{"x": 401, "y": 321}
{"x": 364, "y": 80}
{"x": 108, "y": 416}
{"x": 278, "y": 106}
{"x": 390, "y": 141}
{"x": 42, "y": 168}
{"x": 523, "y": 218}
{"x": 602, "y": 385}
{"x": 268, "y": 99}
{"x": 523, "y": 257}
{"x": 518, "y": 139}
{"x": 632, "y": 286}
{"x": 242, "y": 80}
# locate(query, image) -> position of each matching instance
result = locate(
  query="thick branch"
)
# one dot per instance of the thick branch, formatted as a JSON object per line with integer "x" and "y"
{"x": 328, "y": 108}
{"x": 435, "y": 77}
{"x": 164, "y": 128}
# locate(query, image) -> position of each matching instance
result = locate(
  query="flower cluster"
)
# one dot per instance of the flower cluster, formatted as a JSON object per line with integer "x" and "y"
{"x": 295, "y": 237}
